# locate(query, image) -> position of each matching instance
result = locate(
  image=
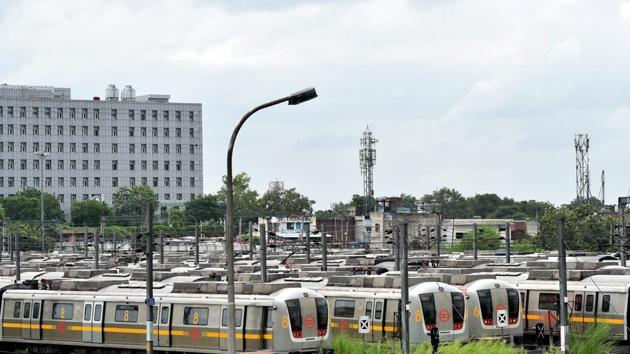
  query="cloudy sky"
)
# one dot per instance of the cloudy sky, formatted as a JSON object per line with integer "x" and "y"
{"x": 481, "y": 96}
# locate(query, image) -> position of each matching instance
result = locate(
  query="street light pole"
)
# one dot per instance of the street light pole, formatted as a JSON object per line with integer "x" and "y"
{"x": 41, "y": 155}
{"x": 293, "y": 99}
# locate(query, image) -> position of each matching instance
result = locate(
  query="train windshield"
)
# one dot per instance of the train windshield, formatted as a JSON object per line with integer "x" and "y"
{"x": 513, "y": 305}
{"x": 428, "y": 310}
{"x": 322, "y": 316}
{"x": 458, "y": 310}
{"x": 295, "y": 317}
{"x": 485, "y": 304}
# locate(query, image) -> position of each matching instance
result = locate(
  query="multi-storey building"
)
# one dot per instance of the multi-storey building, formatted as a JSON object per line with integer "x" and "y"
{"x": 90, "y": 148}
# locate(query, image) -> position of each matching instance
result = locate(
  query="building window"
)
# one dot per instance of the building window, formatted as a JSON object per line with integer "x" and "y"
{"x": 97, "y": 164}
{"x": 131, "y": 131}
{"x": 143, "y": 115}
{"x": 47, "y": 147}
{"x": 143, "y": 131}
{"x": 132, "y": 148}
{"x": 178, "y": 165}
{"x": 96, "y": 131}
{"x": 192, "y": 165}
{"x": 192, "y": 181}
{"x": 73, "y": 164}
{"x": 132, "y": 165}
{"x": 36, "y": 164}
{"x": 84, "y": 148}
{"x": 132, "y": 114}
{"x": 178, "y": 132}
{"x": 114, "y": 131}
{"x": 114, "y": 114}
{"x": 167, "y": 181}
{"x": 36, "y": 130}
{"x": 167, "y": 196}
{"x": 155, "y": 181}
{"x": 165, "y": 115}
{"x": 47, "y": 130}
{"x": 11, "y": 182}
{"x": 10, "y": 111}
{"x": 178, "y": 149}
{"x": 73, "y": 197}
{"x": 48, "y": 165}
{"x": 97, "y": 181}
{"x": 86, "y": 182}
{"x": 10, "y": 129}
{"x": 22, "y": 164}
{"x": 115, "y": 148}
{"x": 143, "y": 181}
{"x": 48, "y": 182}
{"x": 132, "y": 181}
{"x": 10, "y": 147}
{"x": 178, "y": 196}
{"x": 178, "y": 181}
{"x": 191, "y": 132}
{"x": 84, "y": 164}
{"x": 73, "y": 147}
{"x": 73, "y": 130}
{"x": 84, "y": 113}
{"x": 166, "y": 165}
{"x": 178, "y": 116}
{"x": 114, "y": 165}
{"x": 166, "y": 149}
{"x": 73, "y": 113}
{"x": 59, "y": 147}
{"x": 191, "y": 116}
{"x": 60, "y": 199}
{"x": 96, "y": 113}
{"x": 154, "y": 132}
{"x": 86, "y": 196}
{"x": 73, "y": 181}
{"x": 143, "y": 165}
{"x": 166, "y": 132}
{"x": 114, "y": 181}
{"x": 60, "y": 164}
{"x": 154, "y": 165}
{"x": 22, "y": 147}
{"x": 154, "y": 148}
{"x": 36, "y": 112}
{"x": 84, "y": 130}
{"x": 22, "y": 112}
{"x": 23, "y": 182}
{"x": 59, "y": 112}
{"x": 60, "y": 182}
{"x": 47, "y": 112}
{"x": 97, "y": 148}
{"x": 154, "y": 115}
{"x": 143, "y": 148}
{"x": 23, "y": 129}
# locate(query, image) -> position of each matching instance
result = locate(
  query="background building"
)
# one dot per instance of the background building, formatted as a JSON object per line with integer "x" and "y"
{"x": 96, "y": 146}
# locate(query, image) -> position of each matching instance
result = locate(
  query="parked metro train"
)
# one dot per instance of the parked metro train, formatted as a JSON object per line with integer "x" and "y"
{"x": 600, "y": 299}
{"x": 288, "y": 320}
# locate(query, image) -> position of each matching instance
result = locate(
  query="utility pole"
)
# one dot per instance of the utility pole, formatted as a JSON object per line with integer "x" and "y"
{"x": 18, "y": 271}
{"x": 85, "y": 239}
{"x": 97, "y": 241}
{"x": 396, "y": 244}
{"x": 324, "y": 250}
{"x": 508, "y": 240}
{"x": 307, "y": 234}
{"x": 251, "y": 241}
{"x": 161, "y": 247}
{"x": 622, "y": 231}
{"x": 475, "y": 241}
{"x": 404, "y": 291}
{"x": 196, "y": 245}
{"x": 263, "y": 253}
{"x": 114, "y": 242}
{"x": 150, "y": 301}
{"x": 564, "y": 320}
{"x": 11, "y": 247}
{"x": 438, "y": 233}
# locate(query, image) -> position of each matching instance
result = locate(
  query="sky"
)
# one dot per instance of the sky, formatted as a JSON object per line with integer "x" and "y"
{"x": 480, "y": 96}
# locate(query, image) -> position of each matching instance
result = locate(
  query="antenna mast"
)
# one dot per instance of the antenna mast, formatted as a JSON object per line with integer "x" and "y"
{"x": 582, "y": 174}
{"x": 367, "y": 157}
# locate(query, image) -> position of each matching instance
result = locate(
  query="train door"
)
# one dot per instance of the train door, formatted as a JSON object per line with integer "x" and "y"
{"x": 254, "y": 327}
{"x": 590, "y": 310}
{"x": 97, "y": 321}
{"x": 224, "y": 328}
{"x": 88, "y": 311}
{"x": 36, "y": 331}
{"x": 378, "y": 322}
{"x": 368, "y": 311}
{"x": 26, "y": 319}
{"x": 576, "y": 319}
{"x": 309, "y": 317}
{"x": 444, "y": 315}
{"x": 163, "y": 325}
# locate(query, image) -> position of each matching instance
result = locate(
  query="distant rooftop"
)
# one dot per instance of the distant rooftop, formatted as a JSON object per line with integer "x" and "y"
{"x": 34, "y": 92}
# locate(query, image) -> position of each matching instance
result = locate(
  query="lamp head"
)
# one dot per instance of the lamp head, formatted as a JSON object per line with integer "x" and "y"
{"x": 302, "y": 96}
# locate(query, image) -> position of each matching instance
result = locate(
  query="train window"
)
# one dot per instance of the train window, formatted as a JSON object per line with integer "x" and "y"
{"x": 36, "y": 310}
{"x": 589, "y": 303}
{"x": 63, "y": 311}
{"x": 344, "y": 308}
{"x": 126, "y": 313}
{"x": 605, "y": 303}
{"x": 428, "y": 310}
{"x": 295, "y": 316}
{"x": 548, "y": 301}
{"x": 154, "y": 310}
{"x": 195, "y": 316}
{"x": 322, "y": 315}
{"x": 239, "y": 318}
{"x": 164, "y": 316}
{"x": 485, "y": 303}
{"x": 17, "y": 308}
{"x": 27, "y": 309}
{"x": 97, "y": 312}
{"x": 578, "y": 302}
{"x": 523, "y": 299}
{"x": 87, "y": 312}
{"x": 513, "y": 305}
{"x": 269, "y": 323}
{"x": 368, "y": 308}
{"x": 459, "y": 308}
{"x": 378, "y": 311}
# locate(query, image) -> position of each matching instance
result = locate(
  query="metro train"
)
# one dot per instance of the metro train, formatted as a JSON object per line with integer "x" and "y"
{"x": 287, "y": 320}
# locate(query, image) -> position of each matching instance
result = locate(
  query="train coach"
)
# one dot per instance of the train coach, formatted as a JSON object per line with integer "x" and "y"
{"x": 186, "y": 319}
{"x": 600, "y": 299}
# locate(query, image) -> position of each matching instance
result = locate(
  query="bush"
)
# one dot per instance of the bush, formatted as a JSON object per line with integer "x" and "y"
{"x": 344, "y": 345}
{"x": 595, "y": 340}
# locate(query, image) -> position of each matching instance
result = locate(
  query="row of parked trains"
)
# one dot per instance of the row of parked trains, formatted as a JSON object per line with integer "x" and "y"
{"x": 293, "y": 318}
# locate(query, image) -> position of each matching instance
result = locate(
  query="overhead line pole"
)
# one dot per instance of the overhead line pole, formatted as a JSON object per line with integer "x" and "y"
{"x": 564, "y": 319}
{"x": 149, "y": 285}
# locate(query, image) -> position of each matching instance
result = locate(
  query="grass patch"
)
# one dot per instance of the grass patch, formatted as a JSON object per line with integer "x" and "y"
{"x": 596, "y": 339}
{"x": 344, "y": 345}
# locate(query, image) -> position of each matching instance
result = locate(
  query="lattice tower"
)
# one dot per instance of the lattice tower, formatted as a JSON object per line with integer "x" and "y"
{"x": 367, "y": 157}
{"x": 582, "y": 173}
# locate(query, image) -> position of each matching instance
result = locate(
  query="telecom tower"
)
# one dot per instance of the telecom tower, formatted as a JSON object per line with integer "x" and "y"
{"x": 367, "y": 157}
{"x": 582, "y": 174}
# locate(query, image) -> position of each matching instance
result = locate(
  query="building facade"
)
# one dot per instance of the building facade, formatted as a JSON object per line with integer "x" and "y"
{"x": 88, "y": 149}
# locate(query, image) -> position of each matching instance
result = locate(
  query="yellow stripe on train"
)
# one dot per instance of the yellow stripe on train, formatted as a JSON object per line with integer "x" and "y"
{"x": 578, "y": 319}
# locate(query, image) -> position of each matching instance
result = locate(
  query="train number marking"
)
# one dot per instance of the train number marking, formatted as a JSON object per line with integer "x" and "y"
{"x": 418, "y": 316}
{"x": 444, "y": 315}
{"x": 309, "y": 321}
{"x": 285, "y": 321}
{"x": 476, "y": 311}
{"x": 195, "y": 317}
{"x": 126, "y": 316}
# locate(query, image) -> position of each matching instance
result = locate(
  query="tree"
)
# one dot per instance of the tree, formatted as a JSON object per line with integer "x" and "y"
{"x": 285, "y": 201}
{"x": 409, "y": 201}
{"x": 25, "y": 205}
{"x": 585, "y": 229}
{"x": 358, "y": 202}
{"x": 245, "y": 198}
{"x": 484, "y": 204}
{"x": 89, "y": 212}
{"x": 452, "y": 202}
{"x": 130, "y": 201}
{"x": 206, "y": 207}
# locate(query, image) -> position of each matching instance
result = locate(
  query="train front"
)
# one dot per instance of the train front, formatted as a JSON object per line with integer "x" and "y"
{"x": 300, "y": 323}
{"x": 494, "y": 309}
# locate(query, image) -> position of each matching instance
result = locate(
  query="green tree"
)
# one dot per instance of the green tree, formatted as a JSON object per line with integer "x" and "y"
{"x": 452, "y": 202}
{"x": 285, "y": 201}
{"x": 359, "y": 203}
{"x": 25, "y": 205}
{"x": 484, "y": 204}
{"x": 585, "y": 229}
{"x": 245, "y": 198}
{"x": 89, "y": 212}
{"x": 207, "y": 207}
{"x": 409, "y": 201}
{"x": 129, "y": 202}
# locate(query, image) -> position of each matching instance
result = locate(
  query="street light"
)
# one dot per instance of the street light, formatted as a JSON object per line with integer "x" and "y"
{"x": 293, "y": 99}
{"x": 42, "y": 155}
